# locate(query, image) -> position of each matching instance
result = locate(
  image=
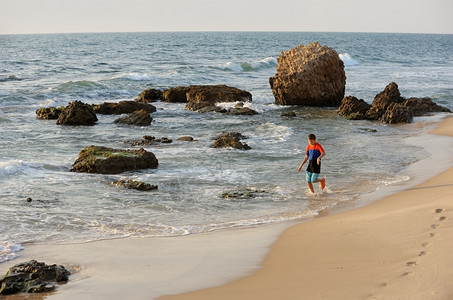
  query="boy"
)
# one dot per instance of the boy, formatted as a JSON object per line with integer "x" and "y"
{"x": 313, "y": 154}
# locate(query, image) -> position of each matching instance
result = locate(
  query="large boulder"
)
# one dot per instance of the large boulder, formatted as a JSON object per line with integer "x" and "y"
{"x": 381, "y": 102}
{"x": 77, "y": 113}
{"x": 122, "y": 107}
{"x": 139, "y": 118}
{"x": 353, "y": 109}
{"x": 200, "y": 96}
{"x": 149, "y": 95}
{"x": 423, "y": 106}
{"x": 32, "y": 277}
{"x": 310, "y": 75}
{"x": 103, "y": 160}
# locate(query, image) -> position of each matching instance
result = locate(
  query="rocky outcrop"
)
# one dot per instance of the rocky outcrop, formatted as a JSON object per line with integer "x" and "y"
{"x": 353, "y": 109}
{"x": 139, "y": 118}
{"x": 389, "y": 95}
{"x": 186, "y": 138}
{"x": 134, "y": 185}
{"x": 388, "y": 107}
{"x": 151, "y": 140}
{"x": 32, "y": 277}
{"x": 49, "y": 113}
{"x": 122, "y": 107}
{"x": 176, "y": 94}
{"x": 77, "y": 113}
{"x": 230, "y": 140}
{"x": 200, "y": 96}
{"x": 149, "y": 95}
{"x": 103, "y": 160}
{"x": 310, "y": 75}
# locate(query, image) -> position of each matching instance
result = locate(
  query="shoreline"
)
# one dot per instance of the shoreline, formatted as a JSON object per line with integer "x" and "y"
{"x": 394, "y": 248}
{"x": 155, "y": 267}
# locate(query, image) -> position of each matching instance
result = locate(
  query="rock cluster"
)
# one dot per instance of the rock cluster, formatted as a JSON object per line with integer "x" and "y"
{"x": 201, "y": 96}
{"x": 103, "y": 160}
{"x": 151, "y": 140}
{"x": 32, "y": 277}
{"x": 77, "y": 113}
{"x": 310, "y": 75}
{"x": 388, "y": 107}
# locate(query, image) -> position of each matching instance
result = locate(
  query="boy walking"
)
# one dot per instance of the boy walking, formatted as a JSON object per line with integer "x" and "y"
{"x": 313, "y": 154}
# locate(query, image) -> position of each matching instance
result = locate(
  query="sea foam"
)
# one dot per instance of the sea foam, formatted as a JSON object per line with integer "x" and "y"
{"x": 348, "y": 60}
{"x": 248, "y": 66}
{"x": 8, "y": 250}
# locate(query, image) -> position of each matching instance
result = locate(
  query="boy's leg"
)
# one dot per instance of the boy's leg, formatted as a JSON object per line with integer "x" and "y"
{"x": 310, "y": 186}
{"x": 309, "y": 179}
{"x": 322, "y": 181}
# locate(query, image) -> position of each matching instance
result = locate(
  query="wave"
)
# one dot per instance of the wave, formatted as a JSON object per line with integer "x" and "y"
{"x": 86, "y": 85}
{"x": 135, "y": 76}
{"x": 4, "y": 78}
{"x": 8, "y": 250}
{"x": 248, "y": 66}
{"x": 4, "y": 93}
{"x": 348, "y": 60}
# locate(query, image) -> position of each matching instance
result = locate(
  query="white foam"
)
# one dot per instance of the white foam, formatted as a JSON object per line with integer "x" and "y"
{"x": 136, "y": 76}
{"x": 3, "y": 93}
{"x": 248, "y": 66}
{"x": 8, "y": 250}
{"x": 348, "y": 60}
{"x": 10, "y": 167}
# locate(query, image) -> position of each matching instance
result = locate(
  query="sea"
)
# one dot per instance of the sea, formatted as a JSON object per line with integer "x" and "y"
{"x": 44, "y": 70}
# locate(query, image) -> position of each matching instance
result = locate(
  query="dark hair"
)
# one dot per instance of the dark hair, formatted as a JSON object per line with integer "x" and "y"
{"x": 311, "y": 136}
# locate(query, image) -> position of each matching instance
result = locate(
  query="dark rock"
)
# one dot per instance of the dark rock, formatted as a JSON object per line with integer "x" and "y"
{"x": 230, "y": 142}
{"x": 212, "y": 108}
{"x": 288, "y": 114}
{"x": 391, "y": 94}
{"x": 122, "y": 107}
{"x": 151, "y": 140}
{"x": 353, "y": 109}
{"x": 139, "y": 118}
{"x": 242, "y": 111}
{"x": 242, "y": 194}
{"x": 233, "y": 134}
{"x": 103, "y": 160}
{"x": 199, "y": 96}
{"x": 176, "y": 94}
{"x": 49, "y": 113}
{"x": 396, "y": 113}
{"x": 423, "y": 106}
{"x": 32, "y": 277}
{"x": 310, "y": 75}
{"x": 149, "y": 95}
{"x": 135, "y": 185}
{"x": 29, "y": 199}
{"x": 77, "y": 113}
{"x": 185, "y": 138}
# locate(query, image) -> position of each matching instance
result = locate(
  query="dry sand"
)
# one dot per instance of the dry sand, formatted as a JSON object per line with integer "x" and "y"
{"x": 400, "y": 247}
{"x": 397, "y": 248}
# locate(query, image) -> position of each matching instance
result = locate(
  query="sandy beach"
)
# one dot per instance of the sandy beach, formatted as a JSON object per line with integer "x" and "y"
{"x": 396, "y": 248}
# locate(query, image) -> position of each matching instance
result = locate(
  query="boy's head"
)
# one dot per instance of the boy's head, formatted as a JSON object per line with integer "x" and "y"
{"x": 312, "y": 139}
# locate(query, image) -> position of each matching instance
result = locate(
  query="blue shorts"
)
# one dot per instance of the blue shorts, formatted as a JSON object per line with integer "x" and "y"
{"x": 312, "y": 177}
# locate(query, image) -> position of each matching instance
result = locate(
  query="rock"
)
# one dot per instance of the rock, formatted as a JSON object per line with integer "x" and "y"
{"x": 135, "y": 185}
{"x": 391, "y": 94}
{"x": 423, "y": 106}
{"x": 212, "y": 108}
{"x": 199, "y": 96}
{"x": 139, "y": 118}
{"x": 233, "y": 134}
{"x": 149, "y": 95}
{"x": 77, "y": 113}
{"x": 32, "y": 277}
{"x": 396, "y": 113}
{"x": 230, "y": 142}
{"x": 103, "y": 160}
{"x": 122, "y": 107}
{"x": 242, "y": 194}
{"x": 353, "y": 109}
{"x": 310, "y": 75}
{"x": 151, "y": 140}
{"x": 288, "y": 114}
{"x": 242, "y": 111}
{"x": 185, "y": 138}
{"x": 49, "y": 113}
{"x": 176, "y": 94}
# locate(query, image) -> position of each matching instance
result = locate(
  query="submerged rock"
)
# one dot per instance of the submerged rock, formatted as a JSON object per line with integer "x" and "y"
{"x": 311, "y": 75}
{"x": 151, "y": 140}
{"x": 135, "y": 185}
{"x": 103, "y": 160}
{"x": 32, "y": 277}
{"x": 185, "y": 138}
{"x": 242, "y": 194}
{"x": 230, "y": 140}
{"x": 123, "y": 107}
{"x": 49, "y": 113}
{"x": 77, "y": 113}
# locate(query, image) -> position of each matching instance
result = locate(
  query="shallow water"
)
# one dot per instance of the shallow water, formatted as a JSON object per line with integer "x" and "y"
{"x": 52, "y": 70}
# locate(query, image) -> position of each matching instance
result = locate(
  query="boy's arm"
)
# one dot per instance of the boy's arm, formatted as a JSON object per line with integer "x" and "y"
{"x": 304, "y": 161}
{"x": 321, "y": 156}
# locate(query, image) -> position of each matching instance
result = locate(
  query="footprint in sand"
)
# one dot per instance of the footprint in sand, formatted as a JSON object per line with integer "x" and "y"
{"x": 425, "y": 244}
{"x": 442, "y": 218}
{"x": 434, "y": 226}
{"x": 422, "y": 253}
{"x": 411, "y": 263}
{"x": 407, "y": 274}
{"x": 439, "y": 210}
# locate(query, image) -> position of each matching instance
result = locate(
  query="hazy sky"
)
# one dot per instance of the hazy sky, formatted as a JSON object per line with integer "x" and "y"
{"x": 48, "y": 16}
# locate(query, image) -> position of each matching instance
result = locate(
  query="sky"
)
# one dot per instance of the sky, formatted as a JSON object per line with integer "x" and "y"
{"x": 61, "y": 16}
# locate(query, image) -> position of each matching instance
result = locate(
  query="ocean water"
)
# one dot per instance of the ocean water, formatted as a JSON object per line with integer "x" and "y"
{"x": 51, "y": 70}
